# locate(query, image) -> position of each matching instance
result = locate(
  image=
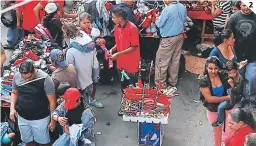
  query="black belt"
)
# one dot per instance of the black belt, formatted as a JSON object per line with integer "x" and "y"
{"x": 170, "y": 36}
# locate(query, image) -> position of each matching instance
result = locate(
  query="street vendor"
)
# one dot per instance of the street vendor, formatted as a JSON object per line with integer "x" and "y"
{"x": 127, "y": 46}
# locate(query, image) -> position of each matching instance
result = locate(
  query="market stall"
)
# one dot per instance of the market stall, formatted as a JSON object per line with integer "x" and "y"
{"x": 149, "y": 107}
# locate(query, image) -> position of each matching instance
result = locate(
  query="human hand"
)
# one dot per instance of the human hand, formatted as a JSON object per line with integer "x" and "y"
{"x": 157, "y": 14}
{"x": 52, "y": 125}
{"x": 111, "y": 51}
{"x": 115, "y": 56}
{"x": 243, "y": 64}
{"x": 18, "y": 24}
{"x": 66, "y": 129}
{"x": 231, "y": 82}
{"x": 13, "y": 114}
{"x": 62, "y": 120}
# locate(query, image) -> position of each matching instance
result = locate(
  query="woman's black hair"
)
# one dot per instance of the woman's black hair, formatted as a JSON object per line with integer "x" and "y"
{"x": 26, "y": 67}
{"x": 237, "y": 4}
{"x": 120, "y": 12}
{"x": 214, "y": 60}
{"x": 47, "y": 19}
{"x": 218, "y": 37}
{"x": 230, "y": 65}
{"x": 250, "y": 139}
{"x": 245, "y": 116}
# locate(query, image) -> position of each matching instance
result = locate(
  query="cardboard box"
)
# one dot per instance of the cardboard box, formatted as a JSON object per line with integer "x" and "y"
{"x": 150, "y": 134}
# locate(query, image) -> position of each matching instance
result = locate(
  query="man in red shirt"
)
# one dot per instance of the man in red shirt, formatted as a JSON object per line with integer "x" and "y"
{"x": 127, "y": 46}
{"x": 25, "y": 12}
{"x": 41, "y": 5}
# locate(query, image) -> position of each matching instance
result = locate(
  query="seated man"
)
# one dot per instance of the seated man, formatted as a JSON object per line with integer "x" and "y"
{"x": 76, "y": 119}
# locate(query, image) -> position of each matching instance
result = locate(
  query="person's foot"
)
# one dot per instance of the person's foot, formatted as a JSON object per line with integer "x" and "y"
{"x": 96, "y": 103}
{"x": 216, "y": 124}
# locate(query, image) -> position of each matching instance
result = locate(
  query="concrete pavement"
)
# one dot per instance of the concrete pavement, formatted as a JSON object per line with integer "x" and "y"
{"x": 187, "y": 126}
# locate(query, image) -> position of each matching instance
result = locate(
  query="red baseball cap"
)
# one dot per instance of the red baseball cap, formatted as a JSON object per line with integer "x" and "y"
{"x": 71, "y": 96}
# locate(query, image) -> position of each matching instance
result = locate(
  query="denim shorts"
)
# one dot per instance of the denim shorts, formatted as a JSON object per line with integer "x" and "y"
{"x": 34, "y": 130}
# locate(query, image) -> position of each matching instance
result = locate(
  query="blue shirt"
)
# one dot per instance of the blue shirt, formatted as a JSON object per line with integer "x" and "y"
{"x": 172, "y": 19}
{"x": 216, "y": 52}
{"x": 218, "y": 91}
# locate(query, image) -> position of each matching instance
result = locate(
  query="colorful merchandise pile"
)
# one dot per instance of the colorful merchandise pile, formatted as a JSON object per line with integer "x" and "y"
{"x": 35, "y": 48}
{"x": 147, "y": 102}
{"x": 198, "y": 5}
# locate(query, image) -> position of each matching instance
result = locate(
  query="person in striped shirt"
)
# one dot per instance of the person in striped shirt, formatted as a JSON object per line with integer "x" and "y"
{"x": 220, "y": 10}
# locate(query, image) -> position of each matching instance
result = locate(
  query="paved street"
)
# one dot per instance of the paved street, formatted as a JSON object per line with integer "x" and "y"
{"x": 187, "y": 126}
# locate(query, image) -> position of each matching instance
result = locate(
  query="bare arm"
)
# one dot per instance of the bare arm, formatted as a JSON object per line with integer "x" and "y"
{"x": 212, "y": 99}
{"x": 52, "y": 101}
{"x": 14, "y": 98}
{"x": 114, "y": 48}
{"x": 18, "y": 15}
{"x": 226, "y": 21}
{"x": 37, "y": 10}
{"x": 215, "y": 12}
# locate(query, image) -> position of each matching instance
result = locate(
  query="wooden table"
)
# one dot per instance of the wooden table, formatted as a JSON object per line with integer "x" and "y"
{"x": 201, "y": 15}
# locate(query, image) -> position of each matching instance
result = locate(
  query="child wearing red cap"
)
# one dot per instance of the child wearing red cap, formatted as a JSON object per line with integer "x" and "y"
{"x": 76, "y": 119}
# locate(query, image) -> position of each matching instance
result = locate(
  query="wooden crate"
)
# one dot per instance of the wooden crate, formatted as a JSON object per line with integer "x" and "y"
{"x": 195, "y": 64}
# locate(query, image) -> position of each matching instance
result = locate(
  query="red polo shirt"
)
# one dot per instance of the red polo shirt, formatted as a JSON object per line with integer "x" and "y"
{"x": 29, "y": 18}
{"x": 239, "y": 136}
{"x": 125, "y": 38}
{"x": 58, "y": 2}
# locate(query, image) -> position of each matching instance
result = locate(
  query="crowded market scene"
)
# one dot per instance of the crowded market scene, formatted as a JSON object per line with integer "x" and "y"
{"x": 128, "y": 73}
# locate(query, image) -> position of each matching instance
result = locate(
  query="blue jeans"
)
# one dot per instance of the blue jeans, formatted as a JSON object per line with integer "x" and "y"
{"x": 221, "y": 110}
{"x": 250, "y": 76}
{"x": 14, "y": 35}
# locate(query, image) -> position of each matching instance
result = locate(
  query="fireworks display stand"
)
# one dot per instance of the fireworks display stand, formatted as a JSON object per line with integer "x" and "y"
{"x": 150, "y": 124}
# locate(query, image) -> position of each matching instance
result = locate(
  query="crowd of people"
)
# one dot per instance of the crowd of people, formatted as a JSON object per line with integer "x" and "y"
{"x": 60, "y": 103}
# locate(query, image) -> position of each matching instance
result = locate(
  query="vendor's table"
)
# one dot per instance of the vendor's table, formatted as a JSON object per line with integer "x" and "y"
{"x": 204, "y": 16}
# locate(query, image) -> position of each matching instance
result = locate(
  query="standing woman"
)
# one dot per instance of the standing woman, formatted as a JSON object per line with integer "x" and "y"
{"x": 224, "y": 42}
{"x": 220, "y": 10}
{"x": 213, "y": 88}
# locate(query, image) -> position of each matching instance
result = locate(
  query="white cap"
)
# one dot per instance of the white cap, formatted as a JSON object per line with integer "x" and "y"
{"x": 51, "y": 8}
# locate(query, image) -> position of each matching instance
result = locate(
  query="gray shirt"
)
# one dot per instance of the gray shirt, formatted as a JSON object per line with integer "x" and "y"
{"x": 48, "y": 82}
{"x": 84, "y": 61}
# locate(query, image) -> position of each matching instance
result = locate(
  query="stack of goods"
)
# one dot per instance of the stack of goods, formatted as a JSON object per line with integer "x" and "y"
{"x": 34, "y": 47}
{"x": 198, "y": 6}
{"x": 147, "y": 102}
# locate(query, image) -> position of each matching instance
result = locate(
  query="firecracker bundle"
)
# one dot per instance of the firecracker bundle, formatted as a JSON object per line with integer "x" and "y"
{"x": 143, "y": 100}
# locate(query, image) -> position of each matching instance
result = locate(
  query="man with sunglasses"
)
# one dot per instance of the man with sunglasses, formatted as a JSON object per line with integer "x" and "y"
{"x": 32, "y": 100}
